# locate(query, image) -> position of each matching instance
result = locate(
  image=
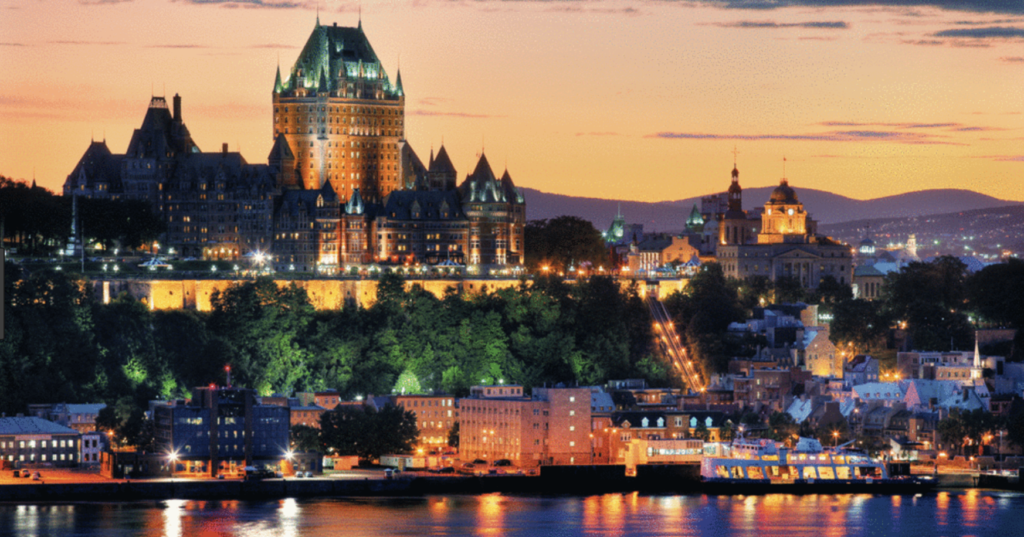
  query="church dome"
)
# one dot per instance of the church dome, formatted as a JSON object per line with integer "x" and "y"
{"x": 784, "y": 194}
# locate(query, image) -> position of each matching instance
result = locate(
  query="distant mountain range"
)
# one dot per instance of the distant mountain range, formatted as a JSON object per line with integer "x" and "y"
{"x": 825, "y": 207}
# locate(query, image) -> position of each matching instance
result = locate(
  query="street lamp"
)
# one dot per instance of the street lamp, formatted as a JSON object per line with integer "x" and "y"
{"x": 835, "y": 439}
{"x": 173, "y": 459}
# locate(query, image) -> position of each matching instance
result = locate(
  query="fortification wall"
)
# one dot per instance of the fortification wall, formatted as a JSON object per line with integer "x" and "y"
{"x": 323, "y": 294}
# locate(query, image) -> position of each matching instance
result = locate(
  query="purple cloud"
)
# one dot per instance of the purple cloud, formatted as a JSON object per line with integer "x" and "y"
{"x": 829, "y": 25}
{"x": 834, "y": 136}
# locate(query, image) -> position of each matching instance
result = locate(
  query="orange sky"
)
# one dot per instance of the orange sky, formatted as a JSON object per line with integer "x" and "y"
{"x": 632, "y": 100}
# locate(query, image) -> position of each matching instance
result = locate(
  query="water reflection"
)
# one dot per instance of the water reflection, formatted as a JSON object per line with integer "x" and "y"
{"x": 942, "y": 513}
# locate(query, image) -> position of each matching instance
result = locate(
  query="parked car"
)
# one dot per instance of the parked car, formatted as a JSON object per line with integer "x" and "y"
{"x": 502, "y": 462}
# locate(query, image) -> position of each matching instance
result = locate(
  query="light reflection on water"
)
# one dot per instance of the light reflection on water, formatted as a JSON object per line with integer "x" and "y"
{"x": 943, "y": 513}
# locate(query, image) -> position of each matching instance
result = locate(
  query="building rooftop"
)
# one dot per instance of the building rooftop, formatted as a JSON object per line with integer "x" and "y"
{"x": 33, "y": 425}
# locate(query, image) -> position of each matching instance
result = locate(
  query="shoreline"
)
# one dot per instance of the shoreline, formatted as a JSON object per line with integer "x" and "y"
{"x": 554, "y": 480}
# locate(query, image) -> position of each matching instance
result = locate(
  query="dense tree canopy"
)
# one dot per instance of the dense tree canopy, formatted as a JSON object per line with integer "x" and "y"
{"x": 585, "y": 332}
{"x": 38, "y": 221}
{"x": 363, "y": 431}
{"x": 563, "y": 242}
{"x": 702, "y": 313}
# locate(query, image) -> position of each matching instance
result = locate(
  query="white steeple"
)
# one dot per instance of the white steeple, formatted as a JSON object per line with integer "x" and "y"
{"x": 976, "y": 369}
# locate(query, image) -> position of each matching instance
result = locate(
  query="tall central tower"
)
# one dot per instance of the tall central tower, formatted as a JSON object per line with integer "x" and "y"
{"x": 341, "y": 117}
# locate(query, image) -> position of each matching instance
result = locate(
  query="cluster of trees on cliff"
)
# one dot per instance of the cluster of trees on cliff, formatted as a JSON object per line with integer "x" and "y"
{"x": 61, "y": 345}
{"x": 37, "y": 222}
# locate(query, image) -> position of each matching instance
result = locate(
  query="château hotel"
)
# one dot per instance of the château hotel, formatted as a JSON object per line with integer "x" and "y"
{"x": 341, "y": 185}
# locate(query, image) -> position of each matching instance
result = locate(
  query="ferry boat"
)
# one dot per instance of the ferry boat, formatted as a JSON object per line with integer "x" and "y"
{"x": 762, "y": 465}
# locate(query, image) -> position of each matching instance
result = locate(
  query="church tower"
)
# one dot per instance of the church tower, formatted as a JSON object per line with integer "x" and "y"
{"x": 733, "y": 228}
{"x": 342, "y": 118}
{"x": 784, "y": 218}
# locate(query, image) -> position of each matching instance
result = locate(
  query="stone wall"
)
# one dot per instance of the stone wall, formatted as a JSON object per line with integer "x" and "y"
{"x": 323, "y": 294}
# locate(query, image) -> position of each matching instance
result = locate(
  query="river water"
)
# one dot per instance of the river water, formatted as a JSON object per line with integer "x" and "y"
{"x": 953, "y": 513}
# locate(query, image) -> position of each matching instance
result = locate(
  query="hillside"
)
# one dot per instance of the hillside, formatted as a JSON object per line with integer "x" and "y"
{"x": 825, "y": 207}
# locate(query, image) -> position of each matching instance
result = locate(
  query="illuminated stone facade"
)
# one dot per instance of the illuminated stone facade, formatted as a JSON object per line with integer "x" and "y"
{"x": 551, "y": 427}
{"x": 341, "y": 116}
{"x": 785, "y": 247}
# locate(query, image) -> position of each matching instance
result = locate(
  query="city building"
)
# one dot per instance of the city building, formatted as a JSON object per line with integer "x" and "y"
{"x": 32, "y": 442}
{"x": 861, "y": 369}
{"x": 94, "y": 443}
{"x": 820, "y": 355}
{"x": 779, "y": 242}
{"x": 341, "y": 186}
{"x": 221, "y": 431}
{"x": 436, "y": 415}
{"x": 867, "y": 282}
{"x": 550, "y": 427}
{"x": 80, "y": 417}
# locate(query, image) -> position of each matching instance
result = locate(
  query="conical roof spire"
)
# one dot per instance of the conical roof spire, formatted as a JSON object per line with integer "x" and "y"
{"x": 278, "y": 87}
{"x": 398, "y": 82}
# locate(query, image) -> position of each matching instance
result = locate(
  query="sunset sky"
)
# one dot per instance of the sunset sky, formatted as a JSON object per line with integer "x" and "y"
{"x": 631, "y": 100}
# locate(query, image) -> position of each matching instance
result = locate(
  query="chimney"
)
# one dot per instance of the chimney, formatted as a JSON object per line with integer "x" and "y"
{"x": 177, "y": 108}
{"x": 224, "y": 148}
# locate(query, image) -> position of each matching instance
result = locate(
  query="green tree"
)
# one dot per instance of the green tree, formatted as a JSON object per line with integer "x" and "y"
{"x": 266, "y": 325}
{"x": 727, "y": 431}
{"x": 782, "y": 427}
{"x": 833, "y": 433}
{"x": 701, "y": 431}
{"x": 563, "y": 242}
{"x": 967, "y": 428}
{"x": 702, "y": 313}
{"x": 861, "y": 324}
{"x": 368, "y": 433}
{"x": 789, "y": 290}
{"x": 453, "y": 435}
{"x": 128, "y": 424}
{"x": 305, "y": 438}
{"x": 830, "y": 292}
{"x": 123, "y": 222}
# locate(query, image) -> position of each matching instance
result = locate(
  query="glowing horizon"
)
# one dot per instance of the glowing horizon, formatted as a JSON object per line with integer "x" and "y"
{"x": 634, "y": 101}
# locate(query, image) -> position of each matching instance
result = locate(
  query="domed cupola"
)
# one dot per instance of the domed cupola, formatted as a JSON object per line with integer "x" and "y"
{"x": 784, "y": 194}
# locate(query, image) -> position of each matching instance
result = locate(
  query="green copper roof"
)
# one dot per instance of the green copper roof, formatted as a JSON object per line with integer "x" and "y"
{"x": 695, "y": 218}
{"x": 336, "y": 54}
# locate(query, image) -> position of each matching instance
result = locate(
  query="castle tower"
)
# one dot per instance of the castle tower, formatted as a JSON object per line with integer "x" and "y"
{"x": 341, "y": 116}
